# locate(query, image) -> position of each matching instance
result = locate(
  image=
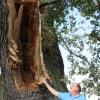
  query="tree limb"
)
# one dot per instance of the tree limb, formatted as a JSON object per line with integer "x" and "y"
{"x": 43, "y": 5}
{"x": 65, "y": 46}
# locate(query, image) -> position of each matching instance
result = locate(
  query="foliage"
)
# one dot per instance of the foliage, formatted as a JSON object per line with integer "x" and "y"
{"x": 82, "y": 42}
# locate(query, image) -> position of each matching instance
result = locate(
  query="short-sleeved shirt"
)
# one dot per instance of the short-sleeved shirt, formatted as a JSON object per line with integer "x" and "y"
{"x": 68, "y": 96}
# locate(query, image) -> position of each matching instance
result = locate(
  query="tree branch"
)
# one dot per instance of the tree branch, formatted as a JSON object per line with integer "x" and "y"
{"x": 43, "y": 5}
{"x": 65, "y": 46}
{"x": 48, "y": 3}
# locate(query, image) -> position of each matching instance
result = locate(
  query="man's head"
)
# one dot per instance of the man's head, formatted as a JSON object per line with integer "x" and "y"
{"x": 75, "y": 88}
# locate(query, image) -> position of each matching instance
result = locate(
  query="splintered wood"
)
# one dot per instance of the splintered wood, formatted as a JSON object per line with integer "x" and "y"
{"x": 24, "y": 43}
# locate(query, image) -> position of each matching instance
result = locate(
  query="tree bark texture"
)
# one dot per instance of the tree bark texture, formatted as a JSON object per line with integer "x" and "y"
{"x": 21, "y": 53}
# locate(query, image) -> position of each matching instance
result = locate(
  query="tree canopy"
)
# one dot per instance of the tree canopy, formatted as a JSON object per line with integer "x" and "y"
{"x": 80, "y": 36}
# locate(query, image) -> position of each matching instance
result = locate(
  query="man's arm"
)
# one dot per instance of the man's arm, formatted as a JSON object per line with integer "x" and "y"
{"x": 52, "y": 90}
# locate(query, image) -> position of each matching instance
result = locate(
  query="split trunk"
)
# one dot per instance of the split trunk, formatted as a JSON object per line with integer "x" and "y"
{"x": 25, "y": 54}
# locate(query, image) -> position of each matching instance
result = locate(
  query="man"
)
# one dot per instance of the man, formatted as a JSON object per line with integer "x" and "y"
{"x": 74, "y": 93}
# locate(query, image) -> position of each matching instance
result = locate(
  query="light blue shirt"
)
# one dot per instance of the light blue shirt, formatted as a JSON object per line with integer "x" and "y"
{"x": 68, "y": 96}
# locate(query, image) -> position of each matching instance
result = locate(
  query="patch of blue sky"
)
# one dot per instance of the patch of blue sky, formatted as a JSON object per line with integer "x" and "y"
{"x": 84, "y": 27}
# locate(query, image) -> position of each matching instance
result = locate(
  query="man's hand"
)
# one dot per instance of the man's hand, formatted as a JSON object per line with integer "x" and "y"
{"x": 52, "y": 90}
{"x": 43, "y": 80}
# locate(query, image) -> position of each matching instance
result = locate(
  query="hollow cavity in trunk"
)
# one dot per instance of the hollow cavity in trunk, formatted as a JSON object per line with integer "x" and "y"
{"x": 27, "y": 37}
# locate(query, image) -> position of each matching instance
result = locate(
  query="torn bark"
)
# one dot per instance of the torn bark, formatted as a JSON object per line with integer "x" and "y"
{"x": 25, "y": 56}
{"x": 21, "y": 52}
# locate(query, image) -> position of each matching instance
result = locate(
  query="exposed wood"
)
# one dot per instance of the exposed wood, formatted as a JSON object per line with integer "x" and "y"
{"x": 25, "y": 55}
{"x": 21, "y": 52}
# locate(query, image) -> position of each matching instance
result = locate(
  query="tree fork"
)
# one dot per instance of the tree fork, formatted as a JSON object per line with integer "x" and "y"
{"x": 29, "y": 49}
{"x": 22, "y": 75}
{"x": 21, "y": 55}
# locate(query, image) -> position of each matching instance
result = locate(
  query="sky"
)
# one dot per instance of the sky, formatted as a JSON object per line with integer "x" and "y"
{"x": 75, "y": 78}
{"x": 87, "y": 26}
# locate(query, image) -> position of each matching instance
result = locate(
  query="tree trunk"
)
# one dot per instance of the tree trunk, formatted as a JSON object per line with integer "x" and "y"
{"x": 21, "y": 53}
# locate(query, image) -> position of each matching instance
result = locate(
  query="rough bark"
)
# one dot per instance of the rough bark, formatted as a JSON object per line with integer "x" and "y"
{"x": 21, "y": 55}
